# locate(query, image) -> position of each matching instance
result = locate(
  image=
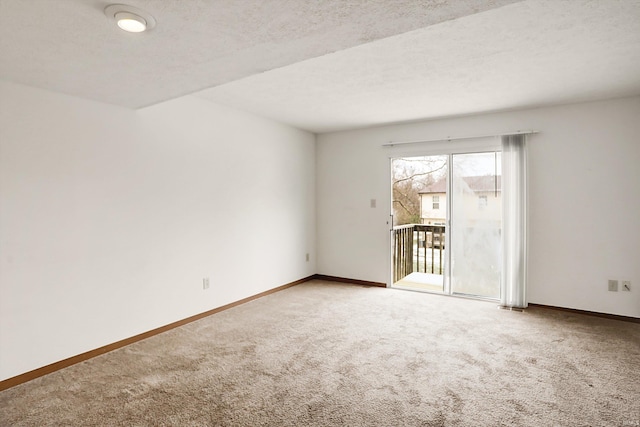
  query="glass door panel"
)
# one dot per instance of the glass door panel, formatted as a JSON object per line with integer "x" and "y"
{"x": 476, "y": 224}
{"x": 419, "y": 209}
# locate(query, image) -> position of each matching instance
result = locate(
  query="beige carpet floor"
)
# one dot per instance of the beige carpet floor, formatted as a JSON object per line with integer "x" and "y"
{"x": 326, "y": 354}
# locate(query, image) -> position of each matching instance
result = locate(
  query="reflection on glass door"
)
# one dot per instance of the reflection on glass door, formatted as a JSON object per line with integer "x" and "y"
{"x": 476, "y": 224}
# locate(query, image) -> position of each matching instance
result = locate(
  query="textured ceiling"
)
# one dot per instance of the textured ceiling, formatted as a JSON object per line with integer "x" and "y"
{"x": 331, "y": 64}
{"x": 532, "y": 53}
{"x": 71, "y": 47}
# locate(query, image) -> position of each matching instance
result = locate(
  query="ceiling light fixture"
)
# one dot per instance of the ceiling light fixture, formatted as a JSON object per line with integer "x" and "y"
{"x": 130, "y": 18}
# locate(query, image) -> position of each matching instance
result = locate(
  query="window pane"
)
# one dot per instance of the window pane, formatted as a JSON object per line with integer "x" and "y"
{"x": 476, "y": 225}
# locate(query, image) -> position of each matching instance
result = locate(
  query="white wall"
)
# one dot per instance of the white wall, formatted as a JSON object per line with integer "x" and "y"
{"x": 110, "y": 218}
{"x": 583, "y": 152}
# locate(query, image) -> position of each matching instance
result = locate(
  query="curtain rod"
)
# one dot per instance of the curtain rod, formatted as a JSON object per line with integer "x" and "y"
{"x": 455, "y": 138}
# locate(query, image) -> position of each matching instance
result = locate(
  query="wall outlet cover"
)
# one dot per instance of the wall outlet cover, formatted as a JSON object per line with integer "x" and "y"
{"x": 626, "y": 285}
{"x": 613, "y": 285}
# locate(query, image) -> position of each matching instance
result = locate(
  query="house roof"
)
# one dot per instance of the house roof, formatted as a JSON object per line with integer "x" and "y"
{"x": 477, "y": 184}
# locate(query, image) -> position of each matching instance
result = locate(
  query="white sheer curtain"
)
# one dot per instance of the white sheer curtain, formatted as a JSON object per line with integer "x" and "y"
{"x": 514, "y": 222}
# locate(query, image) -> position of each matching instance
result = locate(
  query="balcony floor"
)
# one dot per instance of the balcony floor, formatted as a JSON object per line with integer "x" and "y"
{"x": 421, "y": 282}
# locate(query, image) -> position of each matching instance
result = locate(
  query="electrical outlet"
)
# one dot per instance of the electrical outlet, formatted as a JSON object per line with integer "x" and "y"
{"x": 626, "y": 285}
{"x": 307, "y": 257}
{"x": 205, "y": 283}
{"x": 613, "y": 285}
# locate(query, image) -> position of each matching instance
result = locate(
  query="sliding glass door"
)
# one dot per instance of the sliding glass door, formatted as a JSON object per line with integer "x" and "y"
{"x": 447, "y": 224}
{"x": 476, "y": 224}
{"x": 419, "y": 188}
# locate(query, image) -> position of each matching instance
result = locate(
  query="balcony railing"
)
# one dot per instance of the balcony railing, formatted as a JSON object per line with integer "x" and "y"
{"x": 418, "y": 248}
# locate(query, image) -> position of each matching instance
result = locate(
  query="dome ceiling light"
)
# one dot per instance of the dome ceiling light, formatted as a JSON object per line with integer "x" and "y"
{"x": 130, "y": 18}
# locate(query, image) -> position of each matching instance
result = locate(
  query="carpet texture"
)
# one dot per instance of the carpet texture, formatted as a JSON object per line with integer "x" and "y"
{"x": 327, "y": 354}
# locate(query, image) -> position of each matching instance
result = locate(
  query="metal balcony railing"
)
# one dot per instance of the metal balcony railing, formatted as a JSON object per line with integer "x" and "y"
{"x": 418, "y": 248}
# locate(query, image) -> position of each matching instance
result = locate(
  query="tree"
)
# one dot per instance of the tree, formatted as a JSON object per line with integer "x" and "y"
{"x": 410, "y": 177}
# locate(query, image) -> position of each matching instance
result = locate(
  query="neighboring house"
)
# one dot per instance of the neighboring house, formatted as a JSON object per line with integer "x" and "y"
{"x": 433, "y": 203}
{"x": 481, "y": 200}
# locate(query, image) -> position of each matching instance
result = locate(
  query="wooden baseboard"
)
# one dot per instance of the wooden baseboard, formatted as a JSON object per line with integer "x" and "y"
{"x": 589, "y": 313}
{"x": 350, "y": 281}
{"x": 39, "y": 372}
{"x": 382, "y": 285}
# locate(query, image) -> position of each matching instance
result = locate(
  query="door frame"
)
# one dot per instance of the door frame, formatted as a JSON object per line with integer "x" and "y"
{"x": 426, "y": 149}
